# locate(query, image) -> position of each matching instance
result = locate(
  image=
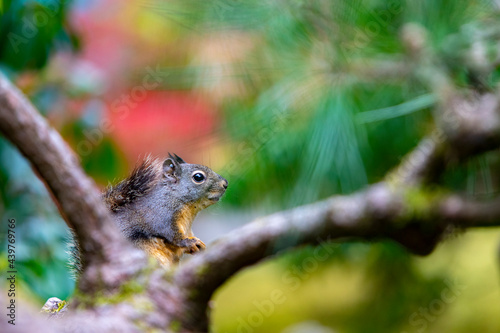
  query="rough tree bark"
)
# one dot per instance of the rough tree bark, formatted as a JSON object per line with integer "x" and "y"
{"x": 121, "y": 291}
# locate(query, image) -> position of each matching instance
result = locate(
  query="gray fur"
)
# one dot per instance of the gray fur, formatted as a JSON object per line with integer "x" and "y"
{"x": 152, "y": 214}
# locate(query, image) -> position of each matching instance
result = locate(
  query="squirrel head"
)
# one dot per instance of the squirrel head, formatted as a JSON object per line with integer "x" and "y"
{"x": 171, "y": 181}
{"x": 192, "y": 183}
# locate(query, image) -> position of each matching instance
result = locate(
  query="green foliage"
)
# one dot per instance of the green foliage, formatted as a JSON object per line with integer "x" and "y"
{"x": 310, "y": 124}
{"x": 41, "y": 234}
{"x": 103, "y": 161}
{"x": 30, "y": 30}
{"x": 308, "y": 127}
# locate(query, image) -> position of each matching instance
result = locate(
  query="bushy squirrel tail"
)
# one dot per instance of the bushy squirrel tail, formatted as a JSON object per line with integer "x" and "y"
{"x": 138, "y": 184}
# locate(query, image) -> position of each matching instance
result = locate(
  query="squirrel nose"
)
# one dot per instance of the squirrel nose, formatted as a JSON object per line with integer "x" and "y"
{"x": 224, "y": 184}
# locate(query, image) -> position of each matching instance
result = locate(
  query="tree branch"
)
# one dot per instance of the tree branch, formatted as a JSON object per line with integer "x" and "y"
{"x": 425, "y": 163}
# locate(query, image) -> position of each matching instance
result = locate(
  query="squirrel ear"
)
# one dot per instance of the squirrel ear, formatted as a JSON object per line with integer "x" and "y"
{"x": 170, "y": 168}
{"x": 176, "y": 158}
{"x": 179, "y": 160}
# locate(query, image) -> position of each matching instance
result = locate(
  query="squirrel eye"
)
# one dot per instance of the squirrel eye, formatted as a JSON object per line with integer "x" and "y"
{"x": 198, "y": 177}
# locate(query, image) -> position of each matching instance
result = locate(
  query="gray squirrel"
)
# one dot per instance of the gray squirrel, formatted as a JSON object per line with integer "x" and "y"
{"x": 156, "y": 205}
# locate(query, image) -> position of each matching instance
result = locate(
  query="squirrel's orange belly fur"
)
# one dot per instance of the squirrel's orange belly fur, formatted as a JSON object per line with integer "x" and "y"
{"x": 167, "y": 253}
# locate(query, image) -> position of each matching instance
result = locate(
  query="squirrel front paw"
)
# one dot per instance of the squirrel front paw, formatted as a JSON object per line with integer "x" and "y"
{"x": 192, "y": 245}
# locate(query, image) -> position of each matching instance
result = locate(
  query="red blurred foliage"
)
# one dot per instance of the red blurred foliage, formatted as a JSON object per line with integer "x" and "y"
{"x": 164, "y": 121}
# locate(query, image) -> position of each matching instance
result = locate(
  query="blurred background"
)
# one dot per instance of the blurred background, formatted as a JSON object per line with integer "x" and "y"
{"x": 291, "y": 101}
